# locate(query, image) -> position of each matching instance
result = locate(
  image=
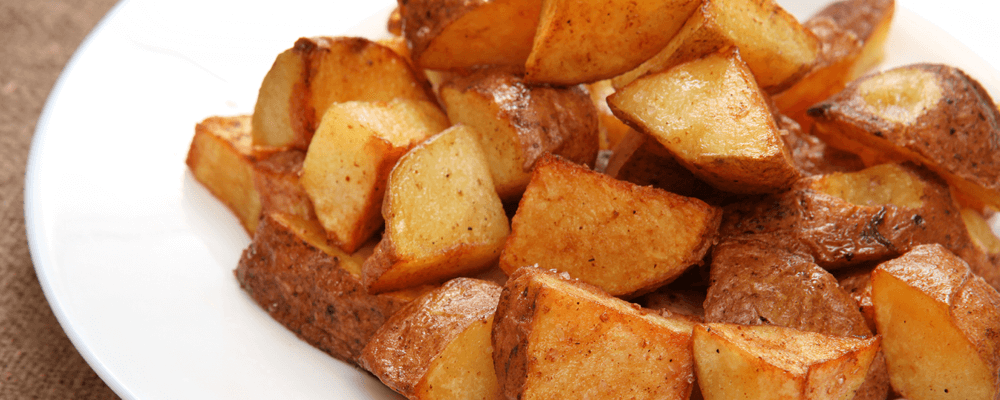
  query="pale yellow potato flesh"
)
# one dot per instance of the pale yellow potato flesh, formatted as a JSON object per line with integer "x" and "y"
{"x": 350, "y": 157}
{"x": 443, "y": 217}
{"x": 221, "y": 158}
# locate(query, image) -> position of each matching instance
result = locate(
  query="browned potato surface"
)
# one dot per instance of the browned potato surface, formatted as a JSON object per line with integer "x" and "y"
{"x": 939, "y": 324}
{"x": 612, "y": 129}
{"x": 586, "y": 41}
{"x": 314, "y": 288}
{"x": 710, "y": 113}
{"x": 518, "y": 122}
{"x": 623, "y": 238}
{"x": 771, "y": 362}
{"x": 437, "y": 347}
{"x": 931, "y": 114}
{"x": 317, "y": 72}
{"x": 349, "y": 160}
{"x": 852, "y": 35}
{"x": 775, "y": 46}
{"x": 221, "y": 157}
{"x": 558, "y": 338}
{"x": 443, "y": 217}
{"x": 452, "y": 34}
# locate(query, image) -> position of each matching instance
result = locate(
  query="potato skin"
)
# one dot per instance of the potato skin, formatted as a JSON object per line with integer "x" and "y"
{"x": 956, "y": 135}
{"x": 310, "y": 291}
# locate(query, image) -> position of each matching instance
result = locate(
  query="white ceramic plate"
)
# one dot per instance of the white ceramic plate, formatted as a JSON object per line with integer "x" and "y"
{"x": 136, "y": 258}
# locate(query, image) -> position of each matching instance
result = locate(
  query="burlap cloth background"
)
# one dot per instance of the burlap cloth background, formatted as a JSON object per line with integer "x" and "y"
{"x": 37, "y": 360}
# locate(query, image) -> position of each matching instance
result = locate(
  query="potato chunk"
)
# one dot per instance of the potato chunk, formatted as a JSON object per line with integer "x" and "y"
{"x": 442, "y": 215}
{"x": 437, "y": 347}
{"x": 775, "y": 46}
{"x": 771, "y": 362}
{"x": 221, "y": 158}
{"x": 349, "y": 160}
{"x": 517, "y": 123}
{"x": 939, "y": 323}
{"x": 711, "y": 114}
{"x": 313, "y": 288}
{"x": 558, "y": 338}
{"x": 317, "y": 72}
{"x": 623, "y": 238}
{"x": 453, "y": 34}
{"x": 852, "y": 34}
{"x": 930, "y": 114}
{"x": 580, "y": 42}
{"x": 276, "y": 177}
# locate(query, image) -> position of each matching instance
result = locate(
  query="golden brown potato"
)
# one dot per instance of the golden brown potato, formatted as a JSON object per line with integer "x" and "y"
{"x": 771, "y": 362}
{"x": 454, "y": 34}
{"x": 317, "y": 72}
{"x": 843, "y": 219}
{"x": 221, "y": 157}
{"x": 710, "y": 113}
{"x": 442, "y": 215}
{"x": 641, "y": 159}
{"x": 313, "y": 288}
{"x": 934, "y": 115}
{"x": 437, "y": 347}
{"x": 349, "y": 160}
{"x": 394, "y": 25}
{"x": 581, "y": 42}
{"x": 852, "y": 35}
{"x": 518, "y": 122}
{"x": 623, "y": 238}
{"x": 813, "y": 156}
{"x": 775, "y": 46}
{"x": 558, "y": 338}
{"x": 857, "y": 282}
{"x": 939, "y": 324}
{"x": 276, "y": 177}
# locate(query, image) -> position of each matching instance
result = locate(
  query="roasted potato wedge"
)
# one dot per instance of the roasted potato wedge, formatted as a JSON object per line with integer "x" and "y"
{"x": 454, "y": 34}
{"x": 221, "y": 158}
{"x": 276, "y": 177}
{"x": 554, "y": 337}
{"x": 623, "y": 238}
{"x": 317, "y": 72}
{"x": 349, "y": 160}
{"x": 443, "y": 217}
{"x": 624, "y": 33}
{"x": 313, "y": 288}
{"x": 518, "y": 122}
{"x": 852, "y": 35}
{"x": 931, "y": 114}
{"x": 772, "y": 362}
{"x": 437, "y": 347}
{"x": 775, "y": 46}
{"x": 939, "y": 324}
{"x": 710, "y": 113}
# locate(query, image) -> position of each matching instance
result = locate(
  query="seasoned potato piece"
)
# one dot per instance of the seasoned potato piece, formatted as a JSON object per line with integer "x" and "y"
{"x": 453, "y": 34}
{"x": 558, "y": 338}
{"x": 934, "y": 115}
{"x": 771, "y": 362}
{"x": 775, "y": 46}
{"x": 710, "y": 113}
{"x": 670, "y": 303}
{"x": 981, "y": 232}
{"x": 313, "y": 288}
{"x": 221, "y": 157}
{"x": 394, "y": 25}
{"x": 437, "y": 347}
{"x": 939, "y": 323}
{"x": 813, "y": 156}
{"x": 349, "y": 160}
{"x": 276, "y": 177}
{"x": 843, "y": 219}
{"x": 317, "y": 72}
{"x": 641, "y": 159}
{"x": 623, "y": 238}
{"x": 858, "y": 283}
{"x": 518, "y": 122}
{"x": 580, "y": 42}
{"x": 442, "y": 216}
{"x": 852, "y": 34}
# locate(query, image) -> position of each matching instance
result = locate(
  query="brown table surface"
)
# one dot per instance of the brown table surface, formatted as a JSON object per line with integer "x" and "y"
{"x": 37, "y": 360}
